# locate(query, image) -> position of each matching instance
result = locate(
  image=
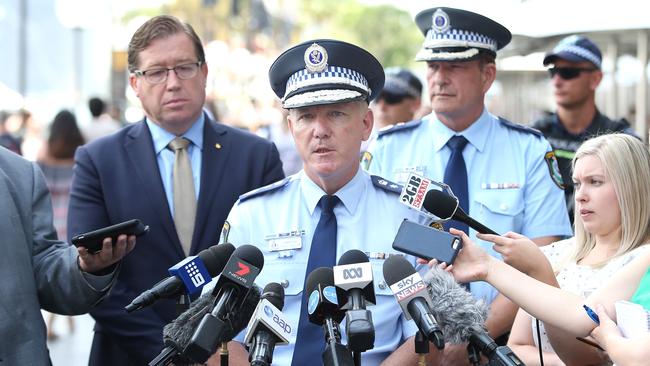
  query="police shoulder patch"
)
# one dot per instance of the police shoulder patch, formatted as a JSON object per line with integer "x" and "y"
{"x": 554, "y": 169}
{"x": 402, "y": 126}
{"x": 386, "y": 185}
{"x": 519, "y": 127}
{"x": 365, "y": 159}
{"x": 225, "y": 230}
{"x": 263, "y": 190}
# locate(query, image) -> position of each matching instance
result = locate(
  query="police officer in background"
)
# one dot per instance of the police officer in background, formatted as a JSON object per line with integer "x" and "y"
{"x": 326, "y": 86}
{"x": 504, "y": 174}
{"x": 399, "y": 100}
{"x": 575, "y": 75}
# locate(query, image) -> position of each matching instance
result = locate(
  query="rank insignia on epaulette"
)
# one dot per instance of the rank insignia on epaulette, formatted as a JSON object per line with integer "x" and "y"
{"x": 554, "y": 169}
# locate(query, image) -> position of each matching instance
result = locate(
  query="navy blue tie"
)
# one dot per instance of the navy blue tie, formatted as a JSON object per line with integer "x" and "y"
{"x": 310, "y": 342}
{"x": 456, "y": 178}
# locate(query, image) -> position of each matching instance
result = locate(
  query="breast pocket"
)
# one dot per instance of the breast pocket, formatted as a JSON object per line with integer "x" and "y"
{"x": 500, "y": 209}
{"x": 381, "y": 287}
{"x": 288, "y": 273}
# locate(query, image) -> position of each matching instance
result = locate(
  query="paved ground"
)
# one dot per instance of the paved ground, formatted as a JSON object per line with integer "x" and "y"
{"x": 71, "y": 349}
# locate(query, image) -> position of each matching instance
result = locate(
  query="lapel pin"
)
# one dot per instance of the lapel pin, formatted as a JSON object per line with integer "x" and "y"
{"x": 218, "y": 146}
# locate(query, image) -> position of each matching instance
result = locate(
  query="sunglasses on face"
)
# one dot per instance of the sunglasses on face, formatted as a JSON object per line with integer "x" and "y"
{"x": 568, "y": 73}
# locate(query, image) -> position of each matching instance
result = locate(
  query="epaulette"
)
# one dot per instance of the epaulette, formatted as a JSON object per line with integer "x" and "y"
{"x": 266, "y": 189}
{"x": 398, "y": 127}
{"x": 386, "y": 185}
{"x": 519, "y": 127}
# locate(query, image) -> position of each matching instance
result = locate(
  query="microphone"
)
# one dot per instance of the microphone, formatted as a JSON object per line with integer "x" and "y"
{"x": 443, "y": 205}
{"x": 231, "y": 291}
{"x": 268, "y": 326}
{"x": 213, "y": 259}
{"x": 462, "y": 317}
{"x": 457, "y": 311}
{"x": 177, "y": 334}
{"x": 353, "y": 280}
{"x": 414, "y": 191}
{"x": 413, "y": 297}
{"x": 323, "y": 309}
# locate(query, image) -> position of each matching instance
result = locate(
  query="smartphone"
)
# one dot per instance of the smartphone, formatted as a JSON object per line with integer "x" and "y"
{"x": 92, "y": 240}
{"x": 426, "y": 242}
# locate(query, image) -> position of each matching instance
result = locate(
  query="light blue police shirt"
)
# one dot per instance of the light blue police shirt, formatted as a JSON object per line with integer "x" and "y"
{"x": 165, "y": 157}
{"x": 367, "y": 220}
{"x": 509, "y": 180}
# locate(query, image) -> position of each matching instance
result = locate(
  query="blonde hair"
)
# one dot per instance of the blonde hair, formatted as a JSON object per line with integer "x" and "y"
{"x": 626, "y": 162}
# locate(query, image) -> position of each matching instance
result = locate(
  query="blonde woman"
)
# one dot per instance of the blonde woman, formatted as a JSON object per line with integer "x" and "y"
{"x": 612, "y": 223}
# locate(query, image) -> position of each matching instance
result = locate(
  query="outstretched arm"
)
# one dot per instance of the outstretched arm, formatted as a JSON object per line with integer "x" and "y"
{"x": 548, "y": 303}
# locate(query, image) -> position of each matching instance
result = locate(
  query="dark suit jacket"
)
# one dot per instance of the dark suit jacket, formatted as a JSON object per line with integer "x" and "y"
{"x": 116, "y": 178}
{"x": 37, "y": 270}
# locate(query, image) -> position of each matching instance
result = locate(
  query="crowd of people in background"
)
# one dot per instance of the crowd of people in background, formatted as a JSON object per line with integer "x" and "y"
{"x": 575, "y": 181}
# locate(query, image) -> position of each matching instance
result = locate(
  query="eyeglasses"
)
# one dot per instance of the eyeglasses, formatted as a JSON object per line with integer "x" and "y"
{"x": 159, "y": 75}
{"x": 568, "y": 73}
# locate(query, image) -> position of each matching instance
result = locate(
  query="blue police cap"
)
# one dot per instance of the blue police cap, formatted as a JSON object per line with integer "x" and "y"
{"x": 575, "y": 49}
{"x": 325, "y": 71}
{"x": 458, "y": 35}
{"x": 402, "y": 82}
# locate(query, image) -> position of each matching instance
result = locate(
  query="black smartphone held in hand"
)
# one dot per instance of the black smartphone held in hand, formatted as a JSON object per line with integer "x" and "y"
{"x": 426, "y": 242}
{"x": 93, "y": 240}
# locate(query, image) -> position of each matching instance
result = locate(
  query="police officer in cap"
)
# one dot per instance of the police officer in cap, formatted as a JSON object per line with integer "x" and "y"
{"x": 504, "y": 174}
{"x": 326, "y": 86}
{"x": 575, "y": 75}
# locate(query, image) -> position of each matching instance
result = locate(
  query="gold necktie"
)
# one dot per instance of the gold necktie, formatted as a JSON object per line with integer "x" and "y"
{"x": 183, "y": 190}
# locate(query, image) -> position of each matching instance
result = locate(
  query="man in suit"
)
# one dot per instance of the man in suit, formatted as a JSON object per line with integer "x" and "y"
{"x": 37, "y": 270}
{"x": 135, "y": 174}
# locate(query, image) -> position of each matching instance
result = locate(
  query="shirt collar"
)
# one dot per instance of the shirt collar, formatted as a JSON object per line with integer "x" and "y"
{"x": 349, "y": 194}
{"x": 162, "y": 138}
{"x": 476, "y": 133}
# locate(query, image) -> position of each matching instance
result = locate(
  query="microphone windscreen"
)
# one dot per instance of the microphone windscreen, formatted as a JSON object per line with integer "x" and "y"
{"x": 216, "y": 257}
{"x": 440, "y": 204}
{"x": 179, "y": 332}
{"x": 457, "y": 311}
{"x": 322, "y": 275}
{"x": 239, "y": 318}
{"x": 353, "y": 256}
{"x": 274, "y": 292}
{"x": 396, "y": 268}
{"x": 250, "y": 254}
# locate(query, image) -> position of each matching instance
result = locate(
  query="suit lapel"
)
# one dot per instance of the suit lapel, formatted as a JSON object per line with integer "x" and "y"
{"x": 216, "y": 149}
{"x": 139, "y": 148}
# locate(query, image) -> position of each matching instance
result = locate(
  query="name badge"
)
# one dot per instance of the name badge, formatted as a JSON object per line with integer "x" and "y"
{"x": 285, "y": 241}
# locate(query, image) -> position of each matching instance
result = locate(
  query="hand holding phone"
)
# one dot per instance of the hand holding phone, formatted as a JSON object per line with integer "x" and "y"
{"x": 93, "y": 240}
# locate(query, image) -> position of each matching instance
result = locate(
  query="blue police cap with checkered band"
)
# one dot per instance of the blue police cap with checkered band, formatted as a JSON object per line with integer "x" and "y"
{"x": 575, "y": 49}
{"x": 325, "y": 71}
{"x": 458, "y": 35}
